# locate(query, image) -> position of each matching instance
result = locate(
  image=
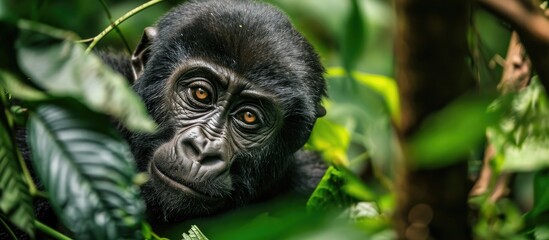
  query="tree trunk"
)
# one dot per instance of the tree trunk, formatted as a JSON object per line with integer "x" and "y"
{"x": 431, "y": 50}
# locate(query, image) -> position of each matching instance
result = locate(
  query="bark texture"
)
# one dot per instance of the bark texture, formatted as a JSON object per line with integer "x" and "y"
{"x": 431, "y": 50}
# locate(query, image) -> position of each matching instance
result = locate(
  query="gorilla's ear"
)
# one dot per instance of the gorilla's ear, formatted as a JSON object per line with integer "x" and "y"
{"x": 142, "y": 51}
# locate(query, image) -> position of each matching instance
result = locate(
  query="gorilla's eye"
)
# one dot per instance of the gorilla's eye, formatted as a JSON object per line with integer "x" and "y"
{"x": 201, "y": 95}
{"x": 249, "y": 117}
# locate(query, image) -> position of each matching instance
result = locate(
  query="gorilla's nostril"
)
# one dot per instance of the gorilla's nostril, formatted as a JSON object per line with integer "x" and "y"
{"x": 190, "y": 150}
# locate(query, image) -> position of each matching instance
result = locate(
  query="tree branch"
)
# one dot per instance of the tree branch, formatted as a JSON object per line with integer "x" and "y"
{"x": 523, "y": 15}
{"x": 532, "y": 25}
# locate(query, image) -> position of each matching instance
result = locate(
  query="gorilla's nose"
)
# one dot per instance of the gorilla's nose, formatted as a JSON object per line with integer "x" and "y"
{"x": 207, "y": 153}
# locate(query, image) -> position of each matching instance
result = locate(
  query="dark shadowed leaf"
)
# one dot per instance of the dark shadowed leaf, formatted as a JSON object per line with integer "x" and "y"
{"x": 87, "y": 171}
{"x": 353, "y": 37}
{"x": 538, "y": 217}
{"x": 15, "y": 199}
{"x": 62, "y": 68}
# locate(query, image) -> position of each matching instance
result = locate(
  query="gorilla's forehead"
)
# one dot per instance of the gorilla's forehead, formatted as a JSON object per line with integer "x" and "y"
{"x": 231, "y": 82}
{"x": 254, "y": 40}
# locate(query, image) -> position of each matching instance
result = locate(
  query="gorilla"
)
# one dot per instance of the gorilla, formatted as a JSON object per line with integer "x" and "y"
{"x": 235, "y": 91}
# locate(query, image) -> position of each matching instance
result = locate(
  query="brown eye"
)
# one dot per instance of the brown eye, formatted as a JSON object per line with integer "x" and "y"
{"x": 201, "y": 95}
{"x": 249, "y": 118}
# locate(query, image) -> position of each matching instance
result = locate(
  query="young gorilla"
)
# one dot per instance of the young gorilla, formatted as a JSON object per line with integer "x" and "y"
{"x": 235, "y": 90}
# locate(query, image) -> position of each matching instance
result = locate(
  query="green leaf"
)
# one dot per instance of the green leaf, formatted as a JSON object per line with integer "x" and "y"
{"x": 353, "y": 37}
{"x": 18, "y": 89}
{"x": 328, "y": 194}
{"x": 541, "y": 232}
{"x": 15, "y": 199}
{"x": 87, "y": 171}
{"x": 539, "y": 213}
{"x": 62, "y": 68}
{"x": 384, "y": 86}
{"x": 449, "y": 135}
{"x": 366, "y": 110}
{"x": 522, "y": 135}
{"x": 331, "y": 140}
{"x": 194, "y": 234}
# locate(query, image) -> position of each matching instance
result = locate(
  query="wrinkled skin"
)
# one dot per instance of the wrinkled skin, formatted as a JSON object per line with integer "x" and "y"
{"x": 235, "y": 90}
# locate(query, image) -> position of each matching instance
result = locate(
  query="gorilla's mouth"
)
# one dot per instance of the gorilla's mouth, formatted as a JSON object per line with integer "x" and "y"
{"x": 177, "y": 185}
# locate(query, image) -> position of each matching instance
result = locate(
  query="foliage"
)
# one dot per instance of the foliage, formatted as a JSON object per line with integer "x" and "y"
{"x": 87, "y": 171}
{"x": 84, "y": 165}
{"x": 65, "y": 97}
{"x": 328, "y": 192}
{"x": 62, "y": 69}
{"x": 522, "y": 135}
{"x": 15, "y": 197}
{"x": 462, "y": 125}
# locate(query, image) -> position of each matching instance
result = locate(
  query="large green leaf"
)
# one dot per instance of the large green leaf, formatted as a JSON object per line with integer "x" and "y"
{"x": 62, "y": 68}
{"x": 15, "y": 199}
{"x": 87, "y": 171}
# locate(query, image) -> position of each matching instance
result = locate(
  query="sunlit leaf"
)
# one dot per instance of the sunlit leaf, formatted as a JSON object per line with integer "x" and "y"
{"x": 541, "y": 232}
{"x": 87, "y": 170}
{"x": 367, "y": 114}
{"x": 449, "y": 135}
{"x": 331, "y": 140}
{"x": 62, "y": 68}
{"x": 522, "y": 135}
{"x": 15, "y": 199}
{"x": 384, "y": 86}
{"x": 499, "y": 220}
{"x": 194, "y": 234}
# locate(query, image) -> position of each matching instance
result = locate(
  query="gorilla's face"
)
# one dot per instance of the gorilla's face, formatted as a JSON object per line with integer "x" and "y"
{"x": 217, "y": 119}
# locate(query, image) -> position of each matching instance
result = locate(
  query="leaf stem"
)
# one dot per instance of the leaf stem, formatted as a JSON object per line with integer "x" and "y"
{"x": 118, "y": 21}
{"x": 50, "y": 231}
{"x": 46, "y": 29}
{"x": 28, "y": 178}
{"x": 156, "y": 237}
{"x": 8, "y": 229}
{"x": 116, "y": 28}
